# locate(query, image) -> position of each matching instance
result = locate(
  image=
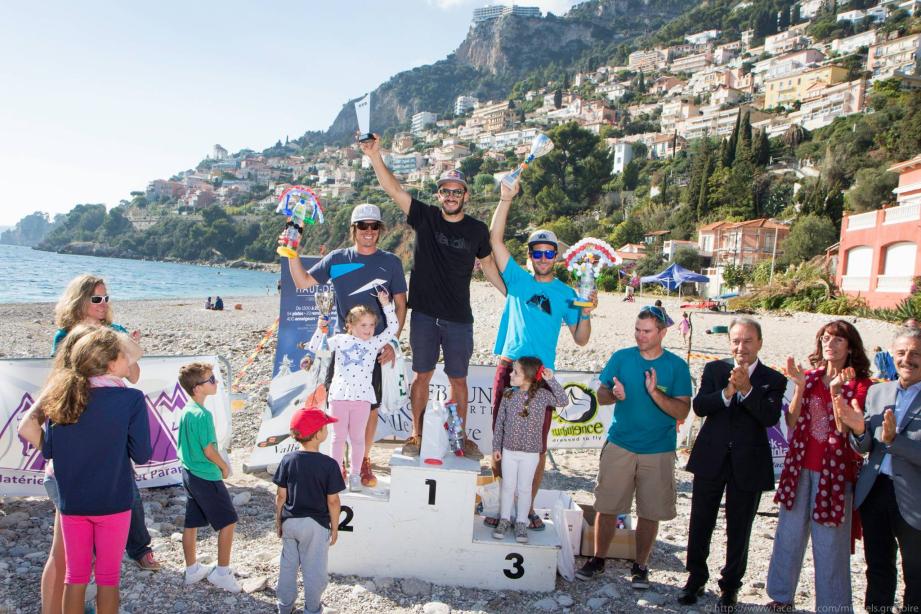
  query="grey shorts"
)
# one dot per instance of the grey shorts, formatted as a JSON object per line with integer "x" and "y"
{"x": 428, "y": 336}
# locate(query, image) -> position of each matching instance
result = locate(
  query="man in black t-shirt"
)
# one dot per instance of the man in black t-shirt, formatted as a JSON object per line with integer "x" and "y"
{"x": 448, "y": 243}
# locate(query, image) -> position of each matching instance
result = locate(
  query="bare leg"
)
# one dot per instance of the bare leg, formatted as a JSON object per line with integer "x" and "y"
{"x": 370, "y": 431}
{"x": 538, "y": 478}
{"x": 646, "y": 531}
{"x": 605, "y": 528}
{"x": 188, "y": 546}
{"x": 419, "y": 398}
{"x": 53, "y": 574}
{"x": 107, "y": 599}
{"x": 459, "y": 394}
{"x": 224, "y": 544}
{"x": 74, "y": 598}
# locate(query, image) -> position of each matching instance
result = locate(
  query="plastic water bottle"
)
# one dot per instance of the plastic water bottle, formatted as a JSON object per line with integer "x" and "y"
{"x": 455, "y": 428}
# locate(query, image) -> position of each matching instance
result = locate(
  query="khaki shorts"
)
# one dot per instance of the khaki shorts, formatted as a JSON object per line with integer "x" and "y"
{"x": 651, "y": 476}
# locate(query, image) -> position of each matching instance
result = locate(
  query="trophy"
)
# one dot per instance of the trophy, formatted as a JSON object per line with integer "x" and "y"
{"x": 539, "y": 146}
{"x": 363, "y": 113}
{"x": 585, "y": 260}
{"x": 324, "y": 300}
{"x": 302, "y": 207}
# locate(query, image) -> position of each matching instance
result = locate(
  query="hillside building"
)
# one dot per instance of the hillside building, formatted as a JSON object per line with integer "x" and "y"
{"x": 489, "y": 13}
{"x": 421, "y": 120}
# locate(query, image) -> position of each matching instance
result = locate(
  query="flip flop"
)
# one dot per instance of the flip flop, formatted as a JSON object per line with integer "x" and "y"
{"x": 489, "y": 521}
{"x": 536, "y": 524}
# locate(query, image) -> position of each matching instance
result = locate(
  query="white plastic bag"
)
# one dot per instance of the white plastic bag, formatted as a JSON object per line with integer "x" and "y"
{"x": 565, "y": 559}
{"x": 490, "y": 496}
{"x": 434, "y": 435}
{"x": 394, "y": 383}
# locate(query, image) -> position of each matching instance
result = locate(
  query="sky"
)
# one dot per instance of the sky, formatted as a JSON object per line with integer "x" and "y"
{"x": 99, "y": 98}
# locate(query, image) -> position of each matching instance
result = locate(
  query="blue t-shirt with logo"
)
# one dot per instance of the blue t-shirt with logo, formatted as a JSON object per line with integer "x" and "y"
{"x": 534, "y": 310}
{"x": 639, "y": 425}
{"x": 354, "y": 277}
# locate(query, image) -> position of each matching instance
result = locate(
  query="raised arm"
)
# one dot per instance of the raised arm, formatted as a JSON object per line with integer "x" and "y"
{"x": 497, "y": 226}
{"x": 388, "y": 181}
{"x": 559, "y": 396}
{"x": 488, "y": 264}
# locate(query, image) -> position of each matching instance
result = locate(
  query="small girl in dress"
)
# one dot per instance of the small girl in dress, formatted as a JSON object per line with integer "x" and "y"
{"x": 685, "y": 326}
{"x": 518, "y": 438}
{"x": 351, "y": 393}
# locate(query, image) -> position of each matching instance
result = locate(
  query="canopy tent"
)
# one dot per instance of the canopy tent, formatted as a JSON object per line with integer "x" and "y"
{"x": 672, "y": 277}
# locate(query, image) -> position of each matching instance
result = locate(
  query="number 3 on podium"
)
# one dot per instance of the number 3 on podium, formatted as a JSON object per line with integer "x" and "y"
{"x": 517, "y": 569}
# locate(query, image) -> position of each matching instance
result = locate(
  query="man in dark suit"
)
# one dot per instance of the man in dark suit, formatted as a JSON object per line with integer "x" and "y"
{"x": 739, "y": 399}
{"x": 888, "y": 491}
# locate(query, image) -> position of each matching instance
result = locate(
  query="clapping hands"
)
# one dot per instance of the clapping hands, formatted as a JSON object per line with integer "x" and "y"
{"x": 795, "y": 372}
{"x": 618, "y": 390}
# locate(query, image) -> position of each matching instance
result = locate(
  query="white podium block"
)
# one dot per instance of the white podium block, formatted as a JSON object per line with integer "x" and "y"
{"x": 424, "y": 527}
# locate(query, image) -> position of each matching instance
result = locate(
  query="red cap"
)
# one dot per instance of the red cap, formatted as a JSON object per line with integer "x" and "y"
{"x": 308, "y": 420}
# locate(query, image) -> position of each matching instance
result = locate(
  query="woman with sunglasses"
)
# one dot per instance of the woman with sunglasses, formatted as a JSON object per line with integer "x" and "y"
{"x": 816, "y": 485}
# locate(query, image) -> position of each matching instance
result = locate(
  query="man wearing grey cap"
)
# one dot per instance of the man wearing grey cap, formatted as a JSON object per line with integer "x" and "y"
{"x": 535, "y": 308}
{"x": 357, "y": 273}
{"x": 448, "y": 243}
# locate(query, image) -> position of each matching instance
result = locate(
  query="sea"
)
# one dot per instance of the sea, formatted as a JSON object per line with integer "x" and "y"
{"x": 33, "y": 276}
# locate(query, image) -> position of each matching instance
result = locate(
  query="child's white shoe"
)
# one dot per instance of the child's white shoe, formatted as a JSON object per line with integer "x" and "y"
{"x": 355, "y": 483}
{"x": 197, "y": 573}
{"x": 225, "y": 581}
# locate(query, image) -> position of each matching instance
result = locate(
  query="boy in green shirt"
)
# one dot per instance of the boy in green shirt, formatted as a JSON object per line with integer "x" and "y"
{"x": 203, "y": 471}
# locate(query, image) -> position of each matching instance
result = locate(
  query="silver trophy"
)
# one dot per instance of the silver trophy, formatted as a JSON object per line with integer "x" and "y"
{"x": 324, "y": 299}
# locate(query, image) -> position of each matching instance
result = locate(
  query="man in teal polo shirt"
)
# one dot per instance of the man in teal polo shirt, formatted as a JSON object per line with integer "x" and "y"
{"x": 535, "y": 308}
{"x": 652, "y": 391}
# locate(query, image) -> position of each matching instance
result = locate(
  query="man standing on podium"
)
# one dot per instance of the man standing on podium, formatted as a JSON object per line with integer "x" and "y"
{"x": 448, "y": 243}
{"x": 739, "y": 399}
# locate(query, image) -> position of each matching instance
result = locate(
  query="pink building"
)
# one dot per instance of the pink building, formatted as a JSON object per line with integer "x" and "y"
{"x": 878, "y": 251}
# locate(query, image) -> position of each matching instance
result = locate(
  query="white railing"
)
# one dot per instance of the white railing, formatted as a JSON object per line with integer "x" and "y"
{"x": 894, "y": 283}
{"x": 902, "y": 213}
{"x": 852, "y": 283}
{"x": 861, "y": 221}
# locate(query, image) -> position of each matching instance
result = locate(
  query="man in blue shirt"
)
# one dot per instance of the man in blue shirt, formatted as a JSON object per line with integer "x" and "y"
{"x": 535, "y": 308}
{"x": 652, "y": 391}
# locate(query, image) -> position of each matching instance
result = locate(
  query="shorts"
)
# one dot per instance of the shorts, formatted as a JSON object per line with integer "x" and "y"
{"x": 51, "y": 487}
{"x": 208, "y": 503}
{"x": 376, "y": 379}
{"x": 499, "y": 384}
{"x": 428, "y": 335}
{"x": 650, "y": 476}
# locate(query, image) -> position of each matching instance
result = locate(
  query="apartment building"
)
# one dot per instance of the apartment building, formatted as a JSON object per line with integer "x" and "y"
{"x": 493, "y": 117}
{"x": 899, "y": 55}
{"x": 819, "y": 108}
{"x": 788, "y": 88}
{"x": 623, "y": 154}
{"x": 464, "y": 103}
{"x": 422, "y": 120}
{"x": 742, "y": 243}
{"x": 692, "y": 63}
{"x": 850, "y": 44}
{"x": 648, "y": 60}
{"x": 715, "y": 122}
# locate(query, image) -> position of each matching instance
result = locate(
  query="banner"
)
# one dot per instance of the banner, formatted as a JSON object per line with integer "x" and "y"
{"x": 22, "y": 466}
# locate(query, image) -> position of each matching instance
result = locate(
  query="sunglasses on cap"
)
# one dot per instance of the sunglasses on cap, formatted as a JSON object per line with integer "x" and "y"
{"x": 538, "y": 254}
{"x": 449, "y": 192}
{"x": 658, "y": 313}
{"x": 96, "y": 299}
{"x": 368, "y": 225}
{"x": 210, "y": 380}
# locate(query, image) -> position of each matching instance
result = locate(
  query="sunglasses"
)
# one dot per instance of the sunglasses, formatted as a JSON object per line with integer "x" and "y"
{"x": 454, "y": 193}
{"x": 538, "y": 254}
{"x": 658, "y": 313}
{"x": 210, "y": 380}
{"x": 96, "y": 299}
{"x": 368, "y": 225}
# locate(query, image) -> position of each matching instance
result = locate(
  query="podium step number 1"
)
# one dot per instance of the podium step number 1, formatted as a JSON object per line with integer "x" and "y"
{"x": 422, "y": 525}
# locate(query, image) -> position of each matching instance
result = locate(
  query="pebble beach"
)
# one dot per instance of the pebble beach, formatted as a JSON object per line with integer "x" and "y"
{"x": 178, "y": 326}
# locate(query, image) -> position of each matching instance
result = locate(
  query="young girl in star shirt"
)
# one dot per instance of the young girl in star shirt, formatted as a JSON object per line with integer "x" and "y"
{"x": 351, "y": 393}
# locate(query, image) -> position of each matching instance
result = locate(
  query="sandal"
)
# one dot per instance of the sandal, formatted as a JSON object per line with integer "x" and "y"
{"x": 489, "y": 521}
{"x": 535, "y": 523}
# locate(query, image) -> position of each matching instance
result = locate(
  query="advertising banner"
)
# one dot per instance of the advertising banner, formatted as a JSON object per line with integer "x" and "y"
{"x": 22, "y": 466}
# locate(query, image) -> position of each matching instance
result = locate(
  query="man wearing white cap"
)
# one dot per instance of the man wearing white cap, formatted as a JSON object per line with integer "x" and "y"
{"x": 535, "y": 308}
{"x": 448, "y": 243}
{"x": 357, "y": 273}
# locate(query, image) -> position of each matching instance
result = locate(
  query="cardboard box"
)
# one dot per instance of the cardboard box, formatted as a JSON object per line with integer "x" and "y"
{"x": 572, "y": 514}
{"x": 623, "y": 546}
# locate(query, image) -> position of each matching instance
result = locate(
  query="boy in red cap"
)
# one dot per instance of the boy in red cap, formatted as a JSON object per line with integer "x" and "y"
{"x": 306, "y": 512}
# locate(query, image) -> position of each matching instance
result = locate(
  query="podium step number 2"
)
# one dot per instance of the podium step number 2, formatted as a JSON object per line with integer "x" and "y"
{"x": 424, "y": 526}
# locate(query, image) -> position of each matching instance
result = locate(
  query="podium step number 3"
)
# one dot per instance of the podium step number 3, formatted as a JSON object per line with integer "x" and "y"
{"x": 424, "y": 526}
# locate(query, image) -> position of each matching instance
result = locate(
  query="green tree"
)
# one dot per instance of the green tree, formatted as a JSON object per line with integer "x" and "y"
{"x": 808, "y": 237}
{"x": 631, "y": 175}
{"x": 735, "y": 276}
{"x": 761, "y": 148}
{"x": 688, "y": 258}
{"x": 872, "y": 188}
{"x": 628, "y": 231}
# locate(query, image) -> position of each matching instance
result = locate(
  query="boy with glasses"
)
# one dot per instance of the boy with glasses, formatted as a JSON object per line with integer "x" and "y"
{"x": 203, "y": 474}
{"x": 448, "y": 243}
{"x": 652, "y": 391}
{"x": 357, "y": 273}
{"x": 535, "y": 308}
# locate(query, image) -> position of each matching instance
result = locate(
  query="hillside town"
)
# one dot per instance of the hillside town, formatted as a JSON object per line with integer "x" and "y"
{"x": 654, "y": 106}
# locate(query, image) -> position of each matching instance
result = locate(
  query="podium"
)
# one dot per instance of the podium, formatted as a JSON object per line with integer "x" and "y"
{"x": 421, "y": 524}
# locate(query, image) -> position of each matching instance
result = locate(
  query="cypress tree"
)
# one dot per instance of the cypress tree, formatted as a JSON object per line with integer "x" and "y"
{"x": 744, "y": 143}
{"x": 702, "y": 207}
{"x": 761, "y": 148}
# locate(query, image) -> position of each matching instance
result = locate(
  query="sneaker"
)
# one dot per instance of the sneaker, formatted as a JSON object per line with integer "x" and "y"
{"x": 367, "y": 476}
{"x": 412, "y": 445}
{"x": 355, "y": 483}
{"x": 521, "y": 533}
{"x": 199, "y": 573}
{"x": 471, "y": 451}
{"x": 593, "y": 567}
{"x": 225, "y": 581}
{"x": 148, "y": 562}
{"x": 639, "y": 577}
{"x": 501, "y": 529}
